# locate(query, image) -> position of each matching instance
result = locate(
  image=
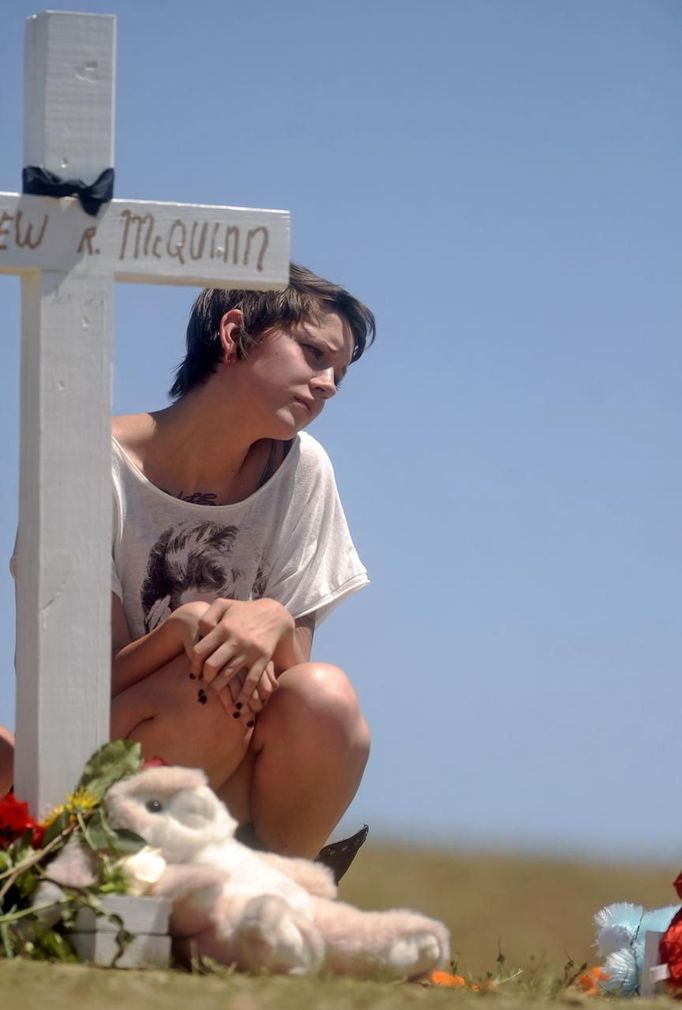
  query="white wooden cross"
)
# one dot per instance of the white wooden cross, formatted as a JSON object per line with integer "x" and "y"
{"x": 68, "y": 261}
{"x": 652, "y": 972}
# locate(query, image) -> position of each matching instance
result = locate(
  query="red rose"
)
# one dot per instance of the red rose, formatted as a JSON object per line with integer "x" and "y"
{"x": 14, "y": 819}
{"x": 37, "y": 838}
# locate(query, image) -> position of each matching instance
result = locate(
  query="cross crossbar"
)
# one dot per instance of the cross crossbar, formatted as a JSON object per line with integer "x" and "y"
{"x": 146, "y": 242}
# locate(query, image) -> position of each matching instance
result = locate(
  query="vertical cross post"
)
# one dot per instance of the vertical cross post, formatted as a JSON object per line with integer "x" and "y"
{"x": 68, "y": 261}
{"x": 652, "y": 972}
{"x": 64, "y": 568}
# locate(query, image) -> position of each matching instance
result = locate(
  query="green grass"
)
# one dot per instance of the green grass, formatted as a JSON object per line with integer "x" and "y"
{"x": 30, "y": 985}
{"x": 538, "y": 913}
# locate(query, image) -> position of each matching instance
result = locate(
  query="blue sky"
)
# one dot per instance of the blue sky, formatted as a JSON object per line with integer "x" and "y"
{"x": 499, "y": 180}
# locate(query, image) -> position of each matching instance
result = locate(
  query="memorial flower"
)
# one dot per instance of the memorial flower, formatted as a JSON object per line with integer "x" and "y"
{"x": 14, "y": 819}
{"x": 591, "y": 981}
{"x": 142, "y": 869}
{"x": 80, "y": 802}
{"x": 28, "y": 847}
{"x": 451, "y": 980}
{"x": 448, "y": 979}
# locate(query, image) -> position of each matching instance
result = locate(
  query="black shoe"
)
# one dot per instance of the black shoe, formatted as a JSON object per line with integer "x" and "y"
{"x": 339, "y": 855}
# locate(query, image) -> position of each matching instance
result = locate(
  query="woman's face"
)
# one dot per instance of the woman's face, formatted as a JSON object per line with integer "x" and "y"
{"x": 291, "y": 374}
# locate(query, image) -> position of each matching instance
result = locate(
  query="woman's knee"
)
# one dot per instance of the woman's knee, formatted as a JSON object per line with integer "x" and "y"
{"x": 322, "y": 696}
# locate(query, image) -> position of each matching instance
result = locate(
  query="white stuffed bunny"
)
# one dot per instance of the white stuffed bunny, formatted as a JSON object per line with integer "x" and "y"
{"x": 259, "y": 910}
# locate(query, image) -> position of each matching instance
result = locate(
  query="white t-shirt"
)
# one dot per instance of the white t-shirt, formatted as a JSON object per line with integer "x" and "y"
{"x": 289, "y": 541}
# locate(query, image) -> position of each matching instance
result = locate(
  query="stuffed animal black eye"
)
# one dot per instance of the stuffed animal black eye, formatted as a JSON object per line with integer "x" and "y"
{"x": 154, "y": 806}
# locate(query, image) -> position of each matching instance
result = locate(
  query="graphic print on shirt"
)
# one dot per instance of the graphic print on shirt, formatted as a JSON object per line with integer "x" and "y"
{"x": 192, "y": 562}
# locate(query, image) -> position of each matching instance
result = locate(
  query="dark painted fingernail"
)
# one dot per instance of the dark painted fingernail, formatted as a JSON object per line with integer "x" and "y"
{"x": 235, "y": 715}
{"x": 238, "y": 705}
{"x": 251, "y": 723}
{"x": 192, "y": 676}
{"x": 201, "y": 697}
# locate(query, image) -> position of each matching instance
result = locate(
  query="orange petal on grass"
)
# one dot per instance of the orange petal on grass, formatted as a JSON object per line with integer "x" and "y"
{"x": 447, "y": 978}
{"x": 590, "y": 980}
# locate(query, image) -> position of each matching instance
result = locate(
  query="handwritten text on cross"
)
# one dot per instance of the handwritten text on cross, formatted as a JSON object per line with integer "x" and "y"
{"x": 134, "y": 239}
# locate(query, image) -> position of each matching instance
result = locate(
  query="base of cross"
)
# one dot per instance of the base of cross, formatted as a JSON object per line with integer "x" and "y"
{"x": 653, "y": 973}
{"x": 133, "y": 933}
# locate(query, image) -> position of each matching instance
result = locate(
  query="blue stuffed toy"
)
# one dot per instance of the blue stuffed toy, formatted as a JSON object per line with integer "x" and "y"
{"x": 621, "y": 931}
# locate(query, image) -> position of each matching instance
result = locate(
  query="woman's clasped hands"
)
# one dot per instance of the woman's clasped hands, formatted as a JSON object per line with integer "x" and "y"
{"x": 230, "y": 645}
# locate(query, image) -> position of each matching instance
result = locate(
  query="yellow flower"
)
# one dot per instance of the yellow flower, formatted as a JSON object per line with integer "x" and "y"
{"x": 80, "y": 802}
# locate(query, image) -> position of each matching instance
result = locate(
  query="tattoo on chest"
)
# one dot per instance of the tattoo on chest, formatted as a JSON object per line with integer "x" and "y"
{"x": 197, "y": 497}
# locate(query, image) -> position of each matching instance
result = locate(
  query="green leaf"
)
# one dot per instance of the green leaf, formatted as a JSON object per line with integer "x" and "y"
{"x": 27, "y": 883}
{"x": 127, "y": 842}
{"x": 123, "y": 939}
{"x": 110, "y": 763}
{"x": 22, "y": 847}
{"x": 51, "y": 945}
{"x": 100, "y": 836}
{"x": 113, "y": 879}
{"x": 97, "y": 832}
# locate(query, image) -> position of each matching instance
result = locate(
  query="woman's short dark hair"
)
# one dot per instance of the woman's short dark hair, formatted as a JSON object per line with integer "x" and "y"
{"x": 304, "y": 300}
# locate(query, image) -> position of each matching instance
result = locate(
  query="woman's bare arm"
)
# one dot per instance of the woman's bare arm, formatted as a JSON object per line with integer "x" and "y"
{"x": 132, "y": 661}
{"x": 295, "y": 647}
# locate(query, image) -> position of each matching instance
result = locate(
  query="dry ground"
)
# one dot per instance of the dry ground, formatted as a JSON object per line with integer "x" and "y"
{"x": 532, "y": 907}
{"x": 538, "y": 912}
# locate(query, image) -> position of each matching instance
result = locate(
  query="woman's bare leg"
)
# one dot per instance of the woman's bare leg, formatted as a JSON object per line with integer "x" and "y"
{"x": 292, "y": 776}
{"x": 306, "y": 760}
{"x": 164, "y": 714}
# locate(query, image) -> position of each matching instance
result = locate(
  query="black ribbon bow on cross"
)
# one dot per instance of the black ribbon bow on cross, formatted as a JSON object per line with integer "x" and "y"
{"x": 40, "y": 182}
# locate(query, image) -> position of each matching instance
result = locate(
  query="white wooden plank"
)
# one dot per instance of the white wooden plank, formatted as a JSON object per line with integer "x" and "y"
{"x": 647, "y": 981}
{"x": 139, "y": 915}
{"x": 69, "y": 66}
{"x": 102, "y": 949}
{"x": 68, "y": 261}
{"x": 64, "y": 562}
{"x": 145, "y": 241}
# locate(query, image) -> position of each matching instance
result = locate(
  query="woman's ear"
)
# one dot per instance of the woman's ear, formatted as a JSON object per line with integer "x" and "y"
{"x": 230, "y": 327}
